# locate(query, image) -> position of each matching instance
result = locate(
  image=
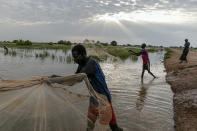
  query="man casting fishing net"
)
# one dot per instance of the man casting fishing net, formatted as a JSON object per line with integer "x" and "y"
{"x": 59, "y": 103}
{"x": 145, "y": 58}
{"x": 96, "y": 77}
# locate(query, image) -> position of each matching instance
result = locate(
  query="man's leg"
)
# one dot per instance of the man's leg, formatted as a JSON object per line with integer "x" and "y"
{"x": 113, "y": 123}
{"x": 148, "y": 69}
{"x": 93, "y": 113}
{"x": 151, "y": 73}
{"x": 92, "y": 117}
{"x": 142, "y": 73}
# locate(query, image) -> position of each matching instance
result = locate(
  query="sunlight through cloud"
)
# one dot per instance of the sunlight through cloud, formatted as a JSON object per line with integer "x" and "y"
{"x": 173, "y": 17}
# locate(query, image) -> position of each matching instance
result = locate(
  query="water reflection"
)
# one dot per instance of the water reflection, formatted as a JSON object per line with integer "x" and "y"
{"x": 142, "y": 94}
{"x": 134, "y": 58}
{"x": 5, "y": 50}
{"x": 69, "y": 59}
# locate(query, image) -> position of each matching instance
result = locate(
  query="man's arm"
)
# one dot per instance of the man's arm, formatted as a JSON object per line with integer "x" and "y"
{"x": 134, "y": 53}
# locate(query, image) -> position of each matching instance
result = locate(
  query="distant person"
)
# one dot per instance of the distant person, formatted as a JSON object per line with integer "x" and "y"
{"x": 92, "y": 69}
{"x": 185, "y": 51}
{"x": 145, "y": 58}
{"x": 5, "y": 48}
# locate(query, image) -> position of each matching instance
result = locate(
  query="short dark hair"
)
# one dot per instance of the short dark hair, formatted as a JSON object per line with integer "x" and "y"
{"x": 143, "y": 45}
{"x": 80, "y": 49}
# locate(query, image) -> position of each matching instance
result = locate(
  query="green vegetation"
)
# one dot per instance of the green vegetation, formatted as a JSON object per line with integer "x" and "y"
{"x": 168, "y": 53}
{"x": 22, "y": 45}
{"x": 114, "y": 43}
{"x": 12, "y": 53}
{"x": 100, "y": 58}
{"x": 42, "y": 55}
{"x": 152, "y": 50}
{"x": 64, "y": 42}
{"x": 134, "y": 58}
{"x": 100, "y": 51}
{"x": 69, "y": 59}
{"x": 96, "y": 57}
{"x": 121, "y": 52}
{"x": 22, "y": 42}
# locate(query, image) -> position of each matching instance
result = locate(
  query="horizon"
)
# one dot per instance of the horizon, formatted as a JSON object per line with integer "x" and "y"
{"x": 118, "y": 44}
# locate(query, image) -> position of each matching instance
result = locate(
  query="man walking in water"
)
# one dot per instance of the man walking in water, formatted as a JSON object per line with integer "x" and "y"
{"x": 92, "y": 69}
{"x": 185, "y": 51}
{"x": 145, "y": 58}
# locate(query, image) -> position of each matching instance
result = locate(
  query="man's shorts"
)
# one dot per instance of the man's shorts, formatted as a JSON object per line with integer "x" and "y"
{"x": 146, "y": 66}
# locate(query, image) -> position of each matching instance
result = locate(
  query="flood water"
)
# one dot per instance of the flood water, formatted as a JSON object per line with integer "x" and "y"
{"x": 139, "y": 106}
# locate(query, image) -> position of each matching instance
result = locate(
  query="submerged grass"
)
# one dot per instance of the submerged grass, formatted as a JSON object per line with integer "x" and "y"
{"x": 101, "y": 55}
{"x": 36, "y": 46}
{"x": 134, "y": 58}
{"x": 100, "y": 58}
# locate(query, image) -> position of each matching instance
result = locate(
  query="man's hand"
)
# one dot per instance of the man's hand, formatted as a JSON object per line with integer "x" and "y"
{"x": 53, "y": 76}
{"x": 132, "y": 52}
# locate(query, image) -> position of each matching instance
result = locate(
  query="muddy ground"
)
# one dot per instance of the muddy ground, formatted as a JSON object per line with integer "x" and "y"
{"x": 183, "y": 80}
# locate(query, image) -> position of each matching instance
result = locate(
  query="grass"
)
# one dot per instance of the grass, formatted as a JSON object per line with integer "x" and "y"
{"x": 69, "y": 59}
{"x": 12, "y": 53}
{"x": 134, "y": 58}
{"x": 168, "y": 53}
{"x": 117, "y": 51}
{"x": 36, "y": 46}
{"x": 121, "y": 52}
{"x": 152, "y": 50}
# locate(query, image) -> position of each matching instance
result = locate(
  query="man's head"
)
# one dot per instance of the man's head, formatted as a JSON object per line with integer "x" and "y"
{"x": 79, "y": 54}
{"x": 186, "y": 40}
{"x": 143, "y": 45}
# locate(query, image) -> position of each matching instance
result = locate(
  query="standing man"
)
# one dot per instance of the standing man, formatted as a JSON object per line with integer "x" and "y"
{"x": 145, "y": 58}
{"x": 97, "y": 79}
{"x": 185, "y": 51}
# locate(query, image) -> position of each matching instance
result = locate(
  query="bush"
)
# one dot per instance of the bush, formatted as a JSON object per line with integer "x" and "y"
{"x": 63, "y": 42}
{"x": 104, "y": 44}
{"x": 22, "y": 42}
{"x": 114, "y": 43}
{"x": 168, "y": 53}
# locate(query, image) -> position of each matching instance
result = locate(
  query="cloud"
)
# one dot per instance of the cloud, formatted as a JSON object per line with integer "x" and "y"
{"x": 128, "y": 21}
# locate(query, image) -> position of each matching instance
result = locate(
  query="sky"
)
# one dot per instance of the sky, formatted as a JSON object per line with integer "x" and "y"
{"x": 155, "y": 22}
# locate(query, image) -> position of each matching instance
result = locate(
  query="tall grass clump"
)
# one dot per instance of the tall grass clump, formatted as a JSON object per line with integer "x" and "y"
{"x": 168, "y": 53}
{"x": 120, "y": 52}
{"x": 23, "y": 43}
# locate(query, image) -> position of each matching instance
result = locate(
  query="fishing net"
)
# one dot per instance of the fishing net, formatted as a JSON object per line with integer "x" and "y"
{"x": 50, "y": 104}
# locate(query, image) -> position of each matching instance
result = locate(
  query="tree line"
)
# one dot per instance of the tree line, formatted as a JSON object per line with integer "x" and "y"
{"x": 62, "y": 42}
